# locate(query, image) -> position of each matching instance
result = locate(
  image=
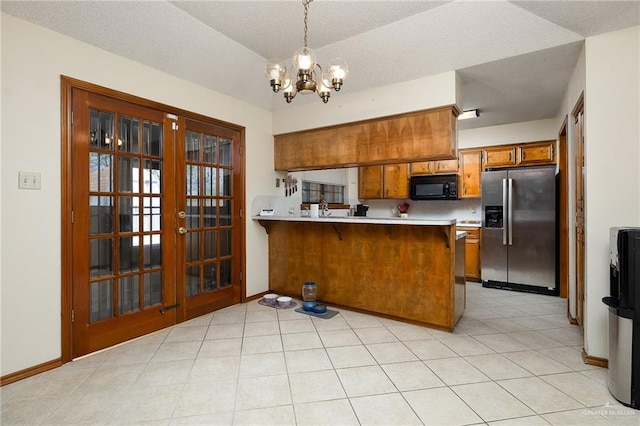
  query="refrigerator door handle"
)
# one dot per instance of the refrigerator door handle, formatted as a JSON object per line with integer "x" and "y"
{"x": 510, "y": 212}
{"x": 504, "y": 203}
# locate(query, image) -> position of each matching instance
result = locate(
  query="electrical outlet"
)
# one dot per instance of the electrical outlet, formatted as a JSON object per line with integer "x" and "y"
{"x": 29, "y": 180}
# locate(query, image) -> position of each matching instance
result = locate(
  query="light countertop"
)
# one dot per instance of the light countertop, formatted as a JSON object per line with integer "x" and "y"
{"x": 361, "y": 220}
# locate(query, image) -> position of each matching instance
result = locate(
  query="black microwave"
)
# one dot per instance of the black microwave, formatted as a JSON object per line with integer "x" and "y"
{"x": 434, "y": 187}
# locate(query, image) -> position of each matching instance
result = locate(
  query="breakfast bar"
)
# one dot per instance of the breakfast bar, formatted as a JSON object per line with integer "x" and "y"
{"x": 406, "y": 269}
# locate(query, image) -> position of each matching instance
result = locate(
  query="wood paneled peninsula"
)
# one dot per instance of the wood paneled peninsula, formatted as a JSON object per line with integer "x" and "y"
{"x": 407, "y": 269}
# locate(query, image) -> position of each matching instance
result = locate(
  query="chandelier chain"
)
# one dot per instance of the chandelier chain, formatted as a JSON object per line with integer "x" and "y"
{"x": 306, "y": 11}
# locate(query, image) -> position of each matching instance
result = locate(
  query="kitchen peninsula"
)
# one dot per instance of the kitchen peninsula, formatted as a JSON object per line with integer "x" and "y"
{"x": 407, "y": 269}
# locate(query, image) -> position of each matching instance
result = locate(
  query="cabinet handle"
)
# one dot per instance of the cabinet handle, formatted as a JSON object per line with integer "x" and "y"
{"x": 524, "y": 154}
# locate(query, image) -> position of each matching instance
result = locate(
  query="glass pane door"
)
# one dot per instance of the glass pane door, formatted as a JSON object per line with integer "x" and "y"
{"x": 210, "y": 267}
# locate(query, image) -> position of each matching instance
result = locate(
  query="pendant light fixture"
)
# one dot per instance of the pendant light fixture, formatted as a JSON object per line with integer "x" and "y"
{"x": 310, "y": 77}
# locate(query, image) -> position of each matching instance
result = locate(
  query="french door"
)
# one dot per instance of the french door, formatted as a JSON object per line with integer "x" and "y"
{"x": 156, "y": 236}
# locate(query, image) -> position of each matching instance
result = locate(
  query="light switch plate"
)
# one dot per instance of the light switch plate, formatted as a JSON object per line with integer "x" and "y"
{"x": 29, "y": 180}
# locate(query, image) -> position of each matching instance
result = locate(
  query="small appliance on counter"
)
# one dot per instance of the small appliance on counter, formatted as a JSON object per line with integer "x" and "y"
{"x": 433, "y": 187}
{"x": 624, "y": 316}
{"x": 361, "y": 210}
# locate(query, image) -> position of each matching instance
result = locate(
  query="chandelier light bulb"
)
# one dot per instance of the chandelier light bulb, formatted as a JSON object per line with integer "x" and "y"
{"x": 275, "y": 72}
{"x": 324, "y": 90}
{"x": 337, "y": 71}
{"x": 304, "y": 59}
{"x": 289, "y": 90}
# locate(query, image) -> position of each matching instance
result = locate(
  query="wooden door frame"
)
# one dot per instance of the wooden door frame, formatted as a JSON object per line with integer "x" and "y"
{"x": 563, "y": 212}
{"x": 577, "y": 109}
{"x": 67, "y": 85}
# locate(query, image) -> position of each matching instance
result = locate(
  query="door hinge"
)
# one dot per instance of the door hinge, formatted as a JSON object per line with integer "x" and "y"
{"x": 73, "y": 315}
{"x": 241, "y": 213}
{"x": 240, "y": 276}
{"x": 71, "y": 117}
{"x": 174, "y": 126}
{"x": 72, "y": 216}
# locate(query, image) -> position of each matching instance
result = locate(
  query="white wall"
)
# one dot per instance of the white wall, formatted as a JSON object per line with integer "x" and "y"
{"x": 529, "y": 131}
{"x": 612, "y": 162}
{"x": 33, "y": 59}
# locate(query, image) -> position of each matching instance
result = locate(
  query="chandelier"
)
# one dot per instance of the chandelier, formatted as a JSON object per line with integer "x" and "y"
{"x": 310, "y": 77}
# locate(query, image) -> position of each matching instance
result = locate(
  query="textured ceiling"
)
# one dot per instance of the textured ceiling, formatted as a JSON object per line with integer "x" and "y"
{"x": 514, "y": 57}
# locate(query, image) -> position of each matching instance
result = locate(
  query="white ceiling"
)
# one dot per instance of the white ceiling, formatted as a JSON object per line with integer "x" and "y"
{"x": 515, "y": 57}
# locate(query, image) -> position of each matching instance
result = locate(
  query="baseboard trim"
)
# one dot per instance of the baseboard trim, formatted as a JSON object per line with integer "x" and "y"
{"x": 572, "y": 320}
{"x": 594, "y": 360}
{"x": 31, "y": 371}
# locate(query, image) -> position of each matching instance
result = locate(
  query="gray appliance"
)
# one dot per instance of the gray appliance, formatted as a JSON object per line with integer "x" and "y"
{"x": 519, "y": 229}
{"x": 624, "y": 321}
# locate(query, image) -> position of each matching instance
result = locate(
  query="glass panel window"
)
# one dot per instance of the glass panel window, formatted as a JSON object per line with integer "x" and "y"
{"x": 100, "y": 300}
{"x": 101, "y": 220}
{"x": 192, "y": 280}
{"x": 225, "y": 212}
{"x": 209, "y": 213}
{"x": 313, "y": 192}
{"x": 151, "y": 219}
{"x": 193, "y": 180}
{"x": 152, "y": 251}
{"x": 193, "y": 213}
{"x": 210, "y": 245}
{"x": 128, "y": 293}
{"x": 152, "y": 289}
{"x": 192, "y": 246}
{"x": 128, "y": 179}
{"x": 101, "y": 257}
{"x": 100, "y": 172}
{"x": 192, "y": 146}
{"x": 225, "y": 273}
{"x": 129, "y": 214}
{"x": 152, "y": 176}
{"x": 225, "y": 179}
{"x": 129, "y": 255}
{"x": 225, "y": 242}
{"x": 225, "y": 156}
{"x": 210, "y": 276}
{"x": 152, "y": 137}
{"x": 209, "y": 150}
{"x": 128, "y": 135}
{"x": 209, "y": 181}
{"x": 101, "y": 129}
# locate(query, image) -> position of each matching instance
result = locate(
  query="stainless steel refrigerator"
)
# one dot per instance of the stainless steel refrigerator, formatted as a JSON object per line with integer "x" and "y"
{"x": 519, "y": 229}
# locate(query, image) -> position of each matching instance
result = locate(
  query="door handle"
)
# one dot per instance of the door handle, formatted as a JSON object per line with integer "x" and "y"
{"x": 504, "y": 204}
{"x": 182, "y": 230}
{"x": 182, "y": 214}
{"x": 510, "y": 212}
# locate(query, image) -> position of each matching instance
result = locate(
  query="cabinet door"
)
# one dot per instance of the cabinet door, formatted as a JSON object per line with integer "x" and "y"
{"x": 396, "y": 181}
{"x": 500, "y": 157}
{"x": 420, "y": 168}
{"x": 370, "y": 182}
{"x": 470, "y": 171}
{"x": 444, "y": 166}
{"x": 472, "y": 253}
{"x": 537, "y": 153}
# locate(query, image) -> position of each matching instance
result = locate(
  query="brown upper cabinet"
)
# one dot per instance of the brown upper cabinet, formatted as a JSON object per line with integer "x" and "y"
{"x": 470, "y": 170}
{"x": 386, "y": 181}
{"x": 417, "y": 136}
{"x": 434, "y": 167}
{"x": 526, "y": 154}
{"x": 500, "y": 157}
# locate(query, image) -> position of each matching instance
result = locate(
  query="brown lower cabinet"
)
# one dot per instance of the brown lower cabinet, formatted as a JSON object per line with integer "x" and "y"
{"x": 472, "y": 253}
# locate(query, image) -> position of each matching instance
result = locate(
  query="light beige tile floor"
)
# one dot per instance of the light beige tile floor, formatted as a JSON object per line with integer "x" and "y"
{"x": 513, "y": 360}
